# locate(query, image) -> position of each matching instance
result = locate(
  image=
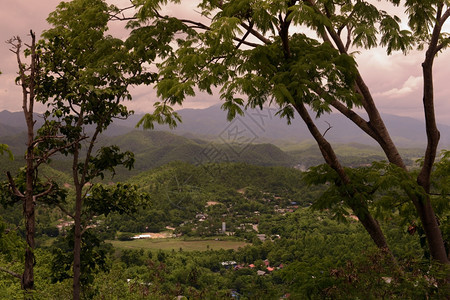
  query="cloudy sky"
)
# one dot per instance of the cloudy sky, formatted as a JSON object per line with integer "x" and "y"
{"x": 395, "y": 80}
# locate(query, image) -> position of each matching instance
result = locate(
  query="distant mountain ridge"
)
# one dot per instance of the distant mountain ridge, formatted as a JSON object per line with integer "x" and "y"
{"x": 265, "y": 126}
{"x": 155, "y": 148}
{"x": 259, "y": 127}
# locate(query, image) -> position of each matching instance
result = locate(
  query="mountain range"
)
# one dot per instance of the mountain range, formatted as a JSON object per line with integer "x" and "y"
{"x": 259, "y": 126}
{"x": 204, "y": 136}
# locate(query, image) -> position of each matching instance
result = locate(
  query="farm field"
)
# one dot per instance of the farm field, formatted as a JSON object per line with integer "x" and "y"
{"x": 176, "y": 244}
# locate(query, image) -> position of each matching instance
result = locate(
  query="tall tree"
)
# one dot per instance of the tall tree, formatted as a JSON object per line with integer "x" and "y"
{"x": 85, "y": 80}
{"x": 265, "y": 51}
{"x": 27, "y": 187}
{"x": 28, "y": 83}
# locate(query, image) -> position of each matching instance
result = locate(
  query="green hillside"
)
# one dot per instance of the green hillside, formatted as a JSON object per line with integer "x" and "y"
{"x": 156, "y": 148}
{"x": 307, "y": 154}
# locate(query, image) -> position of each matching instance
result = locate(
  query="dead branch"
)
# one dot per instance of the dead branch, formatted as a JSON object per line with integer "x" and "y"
{"x": 329, "y": 127}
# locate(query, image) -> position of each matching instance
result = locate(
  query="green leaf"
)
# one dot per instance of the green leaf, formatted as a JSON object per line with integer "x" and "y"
{"x": 163, "y": 114}
{"x": 4, "y": 148}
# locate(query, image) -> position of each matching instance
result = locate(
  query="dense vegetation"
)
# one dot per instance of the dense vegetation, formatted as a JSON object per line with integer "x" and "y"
{"x": 302, "y": 253}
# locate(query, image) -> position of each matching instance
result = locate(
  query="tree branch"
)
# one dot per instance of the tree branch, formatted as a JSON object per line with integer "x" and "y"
{"x": 442, "y": 20}
{"x": 244, "y": 37}
{"x": 355, "y": 118}
{"x": 256, "y": 34}
{"x": 44, "y": 138}
{"x": 46, "y": 192}
{"x": 45, "y": 157}
{"x": 199, "y": 25}
{"x": 115, "y": 16}
{"x": 442, "y": 45}
{"x": 64, "y": 210}
{"x": 433, "y": 134}
{"x": 444, "y": 17}
{"x": 11, "y": 273}
{"x": 329, "y": 127}
{"x": 13, "y": 186}
{"x": 349, "y": 39}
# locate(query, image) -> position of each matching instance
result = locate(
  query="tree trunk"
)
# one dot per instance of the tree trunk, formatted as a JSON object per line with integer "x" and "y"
{"x": 28, "y": 206}
{"x": 28, "y": 274}
{"x": 77, "y": 229}
{"x": 423, "y": 206}
{"x": 77, "y": 250}
{"x": 369, "y": 223}
{"x": 373, "y": 228}
{"x": 378, "y": 131}
{"x": 432, "y": 230}
{"x": 28, "y": 210}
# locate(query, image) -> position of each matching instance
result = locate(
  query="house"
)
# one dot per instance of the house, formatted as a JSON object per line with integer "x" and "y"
{"x": 201, "y": 217}
{"x": 261, "y": 237}
{"x": 228, "y": 264}
{"x": 64, "y": 224}
{"x": 142, "y": 236}
{"x": 260, "y": 273}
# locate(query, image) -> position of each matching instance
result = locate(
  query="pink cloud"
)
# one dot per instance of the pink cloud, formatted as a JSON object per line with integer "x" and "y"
{"x": 411, "y": 85}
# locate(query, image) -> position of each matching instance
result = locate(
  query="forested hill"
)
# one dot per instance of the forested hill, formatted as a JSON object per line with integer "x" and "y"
{"x": 156, "y": 148}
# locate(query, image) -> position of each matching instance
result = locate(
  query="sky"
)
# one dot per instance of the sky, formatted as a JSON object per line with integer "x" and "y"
{"x": 395, "y": 81}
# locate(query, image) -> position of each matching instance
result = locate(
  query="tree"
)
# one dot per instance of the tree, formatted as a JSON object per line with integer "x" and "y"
{"x": 28, "y": 90}
{"x": 86, "y": 78}
{"x": 261, "y": 49}
{"x": 27, "y": 186}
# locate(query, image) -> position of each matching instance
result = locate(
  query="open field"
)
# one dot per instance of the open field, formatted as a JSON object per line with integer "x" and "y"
{"x": 176, "y": 244}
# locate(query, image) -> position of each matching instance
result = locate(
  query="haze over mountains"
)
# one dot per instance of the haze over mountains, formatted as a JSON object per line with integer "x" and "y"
{"x": 265, "y": 126}
{"x": 259, "y": 127}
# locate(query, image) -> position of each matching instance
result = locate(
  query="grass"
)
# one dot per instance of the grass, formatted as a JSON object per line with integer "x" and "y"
{"x": 176, "y": 244}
